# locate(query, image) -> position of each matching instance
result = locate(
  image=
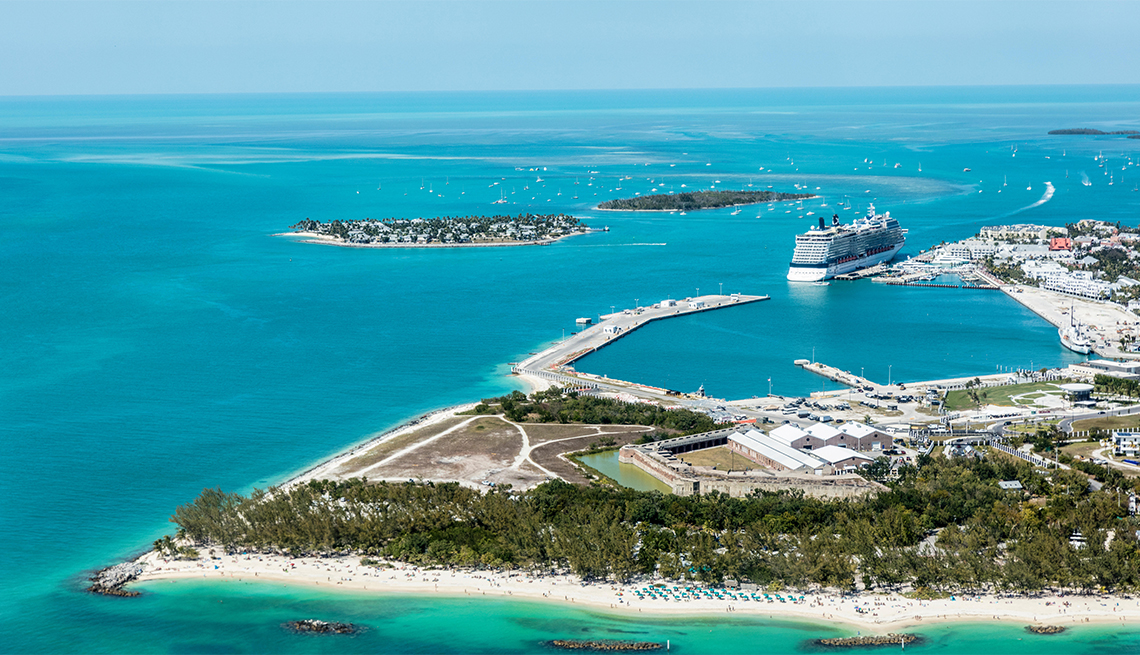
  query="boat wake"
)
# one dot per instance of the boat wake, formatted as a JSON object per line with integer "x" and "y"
{"x": 1046, "y": 197}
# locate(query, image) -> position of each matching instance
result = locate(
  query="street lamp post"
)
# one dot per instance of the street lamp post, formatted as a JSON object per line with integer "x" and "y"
{"x": 722, "y": 288}
{"x": 889, "y": 374}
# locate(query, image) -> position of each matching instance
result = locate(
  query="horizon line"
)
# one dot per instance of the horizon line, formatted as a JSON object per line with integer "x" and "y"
{"x": 564, "y": 90}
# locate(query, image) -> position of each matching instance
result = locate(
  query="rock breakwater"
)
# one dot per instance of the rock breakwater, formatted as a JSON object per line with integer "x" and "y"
{"x": 1045, "y": 629}
{"x": 111, "y": 580}
{"x": 317, "y": 626}
{"x": 869, "y": 640}
{"x": 604, "y": 645}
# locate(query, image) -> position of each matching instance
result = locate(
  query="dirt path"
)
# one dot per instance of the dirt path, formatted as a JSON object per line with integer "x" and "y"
{"x": 400, "y": 453}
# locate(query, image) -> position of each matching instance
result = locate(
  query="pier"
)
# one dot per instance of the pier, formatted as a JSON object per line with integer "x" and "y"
{"x": 877, "y": 269}
{"x": 832, "y": 373}
{"x": 553, "y": 362}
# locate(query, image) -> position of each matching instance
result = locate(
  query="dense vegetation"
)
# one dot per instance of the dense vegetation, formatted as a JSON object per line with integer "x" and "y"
{"x": 946, "y": 525}
{"x": 447, "y": 229}
{"x": 692, "y": 200}
{"x": 1116, "y": 386}
{"x": 555, "y": 405}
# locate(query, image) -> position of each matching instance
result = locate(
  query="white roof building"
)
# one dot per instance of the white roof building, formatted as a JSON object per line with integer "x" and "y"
{"x": 857, "y": 430}
{"x": 842, "y": 458}
{"x": 787, "y": 434}
{"x": 823, "y": 431}
{"x": 778, "y": 454}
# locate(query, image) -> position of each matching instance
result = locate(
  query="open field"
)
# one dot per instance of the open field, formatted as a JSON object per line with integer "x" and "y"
{"x": 1003, "y": 396}
{"x": 1029, "y": 428}
{"x": 476, "y": 450}
{"x": 720, "y": 457}
{"x": 1108, "y": 423}
{"x": 1082, "y": 449}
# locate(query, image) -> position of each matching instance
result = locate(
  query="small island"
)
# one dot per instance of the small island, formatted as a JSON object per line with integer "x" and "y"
{"x": 1092, "y": 132}
{"x": 693, "y": 200}
{"x": 447, "y": 231}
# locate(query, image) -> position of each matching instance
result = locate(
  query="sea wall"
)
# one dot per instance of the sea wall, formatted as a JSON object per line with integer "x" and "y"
{"x": 687, "y": 481}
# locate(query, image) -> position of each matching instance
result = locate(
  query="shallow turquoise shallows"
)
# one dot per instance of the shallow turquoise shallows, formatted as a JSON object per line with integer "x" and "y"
{"x": 158, "y": 339}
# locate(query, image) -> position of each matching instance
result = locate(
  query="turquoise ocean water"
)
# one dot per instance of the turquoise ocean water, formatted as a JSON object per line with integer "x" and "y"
{"x": 158, "y": 338}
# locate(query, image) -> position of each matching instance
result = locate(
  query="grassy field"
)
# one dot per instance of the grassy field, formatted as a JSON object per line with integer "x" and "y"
{"x": 1030, "y": 428}
{"x": 1003, "y": 396}
{"x": 720, "y": 457}
{"x": 1084, "y": 448}
{"x": 1108, "y": 423}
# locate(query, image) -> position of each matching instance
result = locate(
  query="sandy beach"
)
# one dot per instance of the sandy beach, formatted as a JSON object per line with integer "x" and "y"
{"x": 875, "y": 612}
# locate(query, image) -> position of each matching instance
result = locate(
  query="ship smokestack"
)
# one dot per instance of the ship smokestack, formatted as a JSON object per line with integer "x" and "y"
{"x": 835, "y": 219}
{"x": 821, "y": 226}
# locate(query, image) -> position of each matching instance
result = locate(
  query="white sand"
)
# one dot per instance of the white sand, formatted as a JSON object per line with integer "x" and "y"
{"x": 882, "y": 612}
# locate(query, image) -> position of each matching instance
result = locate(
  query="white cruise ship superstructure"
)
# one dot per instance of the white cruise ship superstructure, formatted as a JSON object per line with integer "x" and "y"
{"x": 829, "y": 251}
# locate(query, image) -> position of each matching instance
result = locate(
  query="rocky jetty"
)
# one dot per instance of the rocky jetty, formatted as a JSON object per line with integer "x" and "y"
{"x": 317, "y": 626}
{"x": 869, "y": 640}
{"x": 1045, "y": 629}
{"x": 111, "y": 580}
{"x": 603, "y": 645}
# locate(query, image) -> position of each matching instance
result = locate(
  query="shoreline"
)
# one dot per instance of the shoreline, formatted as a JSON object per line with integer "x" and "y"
{"x": 879, "y": 613}
{"x": 1047, "y": 306}
{"x": 410, "y": 425}
{"x": 326, "y": 240}
{"x": 698, "y": 209}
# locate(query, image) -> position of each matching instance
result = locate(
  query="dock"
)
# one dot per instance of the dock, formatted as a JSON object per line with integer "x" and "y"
{"x": 832, "y": 373}
{"x": 877, "y": 269}
{"x": 552, "y": 362}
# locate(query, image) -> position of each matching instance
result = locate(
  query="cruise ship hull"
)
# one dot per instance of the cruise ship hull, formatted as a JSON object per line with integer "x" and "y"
{"x": 817, "y": 273}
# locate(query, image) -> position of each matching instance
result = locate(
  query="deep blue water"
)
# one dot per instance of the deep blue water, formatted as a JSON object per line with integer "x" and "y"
{"x": 158, "y": 338}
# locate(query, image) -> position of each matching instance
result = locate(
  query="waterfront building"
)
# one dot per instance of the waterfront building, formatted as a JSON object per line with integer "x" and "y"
{"x": 1129, "y": 370}
{"x": 971, "y": 249}
{"x": 1021, "y": 231}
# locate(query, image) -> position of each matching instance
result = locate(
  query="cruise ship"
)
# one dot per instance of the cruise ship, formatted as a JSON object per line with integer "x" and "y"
{"x": 829, "y": 251}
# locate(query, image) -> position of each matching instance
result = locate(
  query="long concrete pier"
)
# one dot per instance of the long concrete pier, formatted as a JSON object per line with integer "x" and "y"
{"x": 614, "y": 326}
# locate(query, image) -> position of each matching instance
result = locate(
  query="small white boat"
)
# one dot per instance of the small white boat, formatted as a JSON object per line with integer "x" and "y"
{"x": 583, "y": 321}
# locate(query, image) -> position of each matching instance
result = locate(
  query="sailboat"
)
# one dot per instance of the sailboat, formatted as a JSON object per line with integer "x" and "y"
{"x": 502, "y": 199}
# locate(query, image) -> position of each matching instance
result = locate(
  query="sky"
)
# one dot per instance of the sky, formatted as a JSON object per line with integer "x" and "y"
{"x": 177, "y": 46}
